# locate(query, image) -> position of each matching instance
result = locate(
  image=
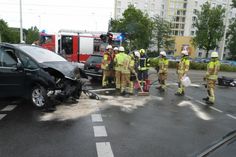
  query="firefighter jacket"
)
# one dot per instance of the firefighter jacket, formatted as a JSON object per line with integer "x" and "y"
{"x": 163, "y": 65}
{"x": 213, "y": 68}
{"x": 107, "y": 59}
{"x": 144, "y": 63}
{"x": 132, "y": 64}
{"x": 183, "y": 66}
{"x": 125, "y": 68}
{"x": 118, "y": 61}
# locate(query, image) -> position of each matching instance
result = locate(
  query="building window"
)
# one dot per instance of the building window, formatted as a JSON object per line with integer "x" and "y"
{"x": 185, "y": 5}
{"x": 183, "y": 19}
{"x": 192, "y": 33}
{"x": 196, "y": 3}
{"x": 182, "y": 33}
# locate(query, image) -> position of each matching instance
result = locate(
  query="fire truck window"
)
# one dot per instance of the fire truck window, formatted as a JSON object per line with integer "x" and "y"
{"x": 45, "y": 39}
{"x": 67, "y": 44}
{"x": 96, "y": 48}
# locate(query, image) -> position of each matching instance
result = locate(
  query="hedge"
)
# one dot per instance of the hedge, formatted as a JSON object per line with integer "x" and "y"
{"x": 195, "y": 66}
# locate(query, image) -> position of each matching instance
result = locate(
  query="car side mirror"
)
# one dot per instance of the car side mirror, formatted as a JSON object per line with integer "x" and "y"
{"x": 19, "y": 66}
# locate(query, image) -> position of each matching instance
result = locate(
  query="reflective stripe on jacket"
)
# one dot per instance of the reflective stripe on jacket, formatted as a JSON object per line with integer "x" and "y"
{"x": 144, "y": 63}
{"x": 213, "y": 68}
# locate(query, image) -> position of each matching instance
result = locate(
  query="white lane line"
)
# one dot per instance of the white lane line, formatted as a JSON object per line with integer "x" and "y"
{"x": 104, "y": 149}
{"x": 9, "y": 108}
{"x": 96, "y": 118}
{"x": 100, "y": 90}
{"x": 100, "y": 131}
{"x": 213, "y": 108}
{"x": 2, "y": 116}
{"x": 200, "y": 102}
{"x": 231, "y": 116}
{"x": 189, "y": 97}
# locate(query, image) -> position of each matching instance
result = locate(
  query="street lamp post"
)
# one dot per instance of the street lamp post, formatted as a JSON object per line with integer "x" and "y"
{"x": 225, "y": 31}
{"x": 21, "y": 29}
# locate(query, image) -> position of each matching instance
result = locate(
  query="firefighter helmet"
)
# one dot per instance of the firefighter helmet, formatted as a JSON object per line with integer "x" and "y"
{"x": 121, "y": 49}
{"x": 142, "y": 51}
{"x": 163, "y": 53}
{"x": 109, "y": 47}
{"x": 137, "y": 54}
{"x": 184, "y": 52}
{"x": 115, "y": 49}
{"x": 214, "y": 55}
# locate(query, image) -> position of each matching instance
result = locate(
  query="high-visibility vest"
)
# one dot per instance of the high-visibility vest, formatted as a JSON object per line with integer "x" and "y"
{"x": 183, "y": 66}
{"x": 143, "y": 63}
{"x": 132, "y": 64}
{"x": 106, "y": 61}
{"x": 213, "y": 67}
{"x": 163, "y": 65}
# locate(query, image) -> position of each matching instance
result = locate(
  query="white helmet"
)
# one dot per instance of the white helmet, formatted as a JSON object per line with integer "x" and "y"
{"x": 214, "y": 55}
{"x": 109, "y": 47}
{"x": 137, "y": 54}
{"x": 115, "y": 49}
{"x": 163, "y": 53}
{"x": 184, "y": 52}
{"x": 121, "y": 49}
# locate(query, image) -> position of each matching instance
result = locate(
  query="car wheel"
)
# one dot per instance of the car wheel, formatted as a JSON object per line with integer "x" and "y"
{"x": 39, "y": 96}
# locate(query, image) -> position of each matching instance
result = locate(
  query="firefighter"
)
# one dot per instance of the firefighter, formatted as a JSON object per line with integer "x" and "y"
{"x": 143, "y": 66}
{"x": 118, "y": 61}
{"x": 106, "y": 62}
{"x": 182, "y": 70}
{"x": 163, "y": 70}
{"x": 125, "y": 72}
{"x": 213, "y": 68}
{"x": 132, "y": 72}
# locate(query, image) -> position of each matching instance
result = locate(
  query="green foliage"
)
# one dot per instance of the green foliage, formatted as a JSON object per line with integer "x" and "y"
{"x": 3, "y": 30}
{"x": 162, "y": 34}
{"x": 210, "y": 27}
{"x": 234, "y": 3}
{"x": 231, "y": 38}
{"x": 137, "y": 25}
{"x": 32, "y": 35}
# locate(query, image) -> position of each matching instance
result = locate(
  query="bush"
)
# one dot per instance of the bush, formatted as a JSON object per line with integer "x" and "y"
{"x": 194, "y": 66}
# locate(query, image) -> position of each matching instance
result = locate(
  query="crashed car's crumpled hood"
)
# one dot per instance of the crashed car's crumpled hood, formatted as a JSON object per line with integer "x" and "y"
{"x": 66, "y": 68}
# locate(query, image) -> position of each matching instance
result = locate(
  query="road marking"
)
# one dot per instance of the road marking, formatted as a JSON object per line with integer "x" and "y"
{"x": 2, "y": 116}
{"x": 189, "y": 97}
{"x": 100, "y": 131}
{"x": 9, "y": 108}
{"x": 96, "y": 118}
{"x": 200, "y": 102}
{"x": 213, "y": 108}
{"x": 229, "y": 115}
{"x": 104, "y": 149}
{"x": 101, "y": 90}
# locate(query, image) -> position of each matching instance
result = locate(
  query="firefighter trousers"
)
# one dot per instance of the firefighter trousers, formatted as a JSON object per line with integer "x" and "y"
{"x": 105, "y": 78}
{"x": 181, "y": 88}
{"x": 211, "y": 90}
{"x": 125, "y": 82}
{"x": 162, "y": 80}
{"x": 118, "y": 79}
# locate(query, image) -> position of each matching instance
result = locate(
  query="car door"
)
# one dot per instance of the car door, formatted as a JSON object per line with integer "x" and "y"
{"x": 12, "y": 78}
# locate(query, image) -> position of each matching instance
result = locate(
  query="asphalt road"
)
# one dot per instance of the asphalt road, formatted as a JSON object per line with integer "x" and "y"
{"x": 159, "y": 125}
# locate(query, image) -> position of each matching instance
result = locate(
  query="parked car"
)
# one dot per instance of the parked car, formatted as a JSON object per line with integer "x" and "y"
{"x": 37, "y": 74}
{"x": 92, "y": 66}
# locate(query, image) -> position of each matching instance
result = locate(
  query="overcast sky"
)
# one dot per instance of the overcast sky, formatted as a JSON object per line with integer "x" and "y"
{"x": 52, "y": 15}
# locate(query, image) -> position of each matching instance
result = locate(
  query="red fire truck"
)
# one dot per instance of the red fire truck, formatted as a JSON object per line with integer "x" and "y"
{"x": 77, "y": 46}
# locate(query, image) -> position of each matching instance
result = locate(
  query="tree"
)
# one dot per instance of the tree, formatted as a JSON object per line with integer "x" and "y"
{"x": 137, "y": 25}
{"x": 231, "y": 35}
{"x": 32, "y": 35}
{"x": 210, "y": 27}
{"x": 234, "y": 3}
{"x": 161, "y": 33}
{"x": 3, "y": 30}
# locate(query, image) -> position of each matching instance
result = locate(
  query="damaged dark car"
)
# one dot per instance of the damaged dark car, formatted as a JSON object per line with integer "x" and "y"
{"x": 37, "y": 74}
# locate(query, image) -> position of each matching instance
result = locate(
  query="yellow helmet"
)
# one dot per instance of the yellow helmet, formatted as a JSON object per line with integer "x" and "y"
{"x": 142, "y": 51}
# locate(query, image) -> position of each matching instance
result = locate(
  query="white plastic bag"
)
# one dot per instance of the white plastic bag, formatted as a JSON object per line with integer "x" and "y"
{"x": 186, "y": 81}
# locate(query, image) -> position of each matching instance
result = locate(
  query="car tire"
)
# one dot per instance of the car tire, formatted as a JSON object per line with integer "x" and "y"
{"x": 38, "y": 97}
